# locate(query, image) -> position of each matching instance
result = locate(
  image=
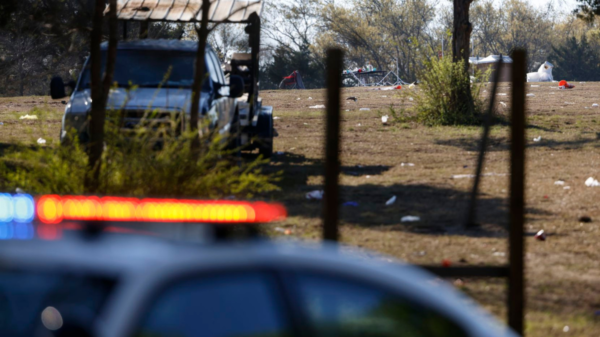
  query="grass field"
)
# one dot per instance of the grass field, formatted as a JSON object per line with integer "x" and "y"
{"x": 563, "y": 273}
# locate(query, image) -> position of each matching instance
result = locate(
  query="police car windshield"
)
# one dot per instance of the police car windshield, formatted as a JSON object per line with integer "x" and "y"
{"x": 31, "y": 303}
{"x": 150, "y": 69}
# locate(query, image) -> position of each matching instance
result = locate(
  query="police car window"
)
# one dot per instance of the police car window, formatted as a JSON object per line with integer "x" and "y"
{"x": 337, "y": 307}
{"x": 36, "y": 304}
{"x": 228, "y": 305}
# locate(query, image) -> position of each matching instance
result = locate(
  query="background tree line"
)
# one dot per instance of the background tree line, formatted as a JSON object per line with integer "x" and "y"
{"x": 42, "y": 38}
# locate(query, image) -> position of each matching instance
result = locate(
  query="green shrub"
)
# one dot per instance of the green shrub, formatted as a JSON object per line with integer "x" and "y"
{"x": 151, "y": 160}
{"x": 434, "y": 103}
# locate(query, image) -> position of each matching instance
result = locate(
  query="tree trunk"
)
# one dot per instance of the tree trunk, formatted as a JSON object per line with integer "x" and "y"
{"x": 461, "y": 38}
{"x": 199, "y": 75}
{"x": 100, "y": 89}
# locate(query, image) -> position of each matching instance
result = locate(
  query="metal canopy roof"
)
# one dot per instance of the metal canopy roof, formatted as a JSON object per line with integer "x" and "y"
{"x": 234, "y": 11}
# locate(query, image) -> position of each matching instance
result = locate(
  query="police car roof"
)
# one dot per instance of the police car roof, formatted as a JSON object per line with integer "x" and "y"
{"x": 160, "y": 44}
{"x": 133, "y": 256}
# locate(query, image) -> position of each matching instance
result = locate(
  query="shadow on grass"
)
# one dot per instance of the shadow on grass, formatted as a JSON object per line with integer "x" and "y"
{"x": 442, "y": 210}
{"x": 502, "y": 143}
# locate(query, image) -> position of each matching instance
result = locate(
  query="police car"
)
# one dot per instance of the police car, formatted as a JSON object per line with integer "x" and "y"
{"x": 117, "y": 267}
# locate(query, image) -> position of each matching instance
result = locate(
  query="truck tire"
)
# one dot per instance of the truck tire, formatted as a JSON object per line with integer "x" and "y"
{"x": 265, "y": 133}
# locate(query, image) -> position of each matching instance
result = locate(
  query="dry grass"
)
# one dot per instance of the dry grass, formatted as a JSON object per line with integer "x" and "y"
{"x": 563, "y": 273}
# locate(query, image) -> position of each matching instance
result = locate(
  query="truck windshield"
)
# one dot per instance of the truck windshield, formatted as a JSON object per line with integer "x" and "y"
{"x": 149, "y": 68}
{"x": 31, "y": 303}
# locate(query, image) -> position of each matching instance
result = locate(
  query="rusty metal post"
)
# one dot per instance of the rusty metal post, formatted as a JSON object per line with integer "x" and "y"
{"x": 331, "y": 202}
{"x": 516, "y": 281}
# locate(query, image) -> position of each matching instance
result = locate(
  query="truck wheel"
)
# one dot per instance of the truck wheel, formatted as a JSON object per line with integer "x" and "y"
{"x": 265, "y": 149}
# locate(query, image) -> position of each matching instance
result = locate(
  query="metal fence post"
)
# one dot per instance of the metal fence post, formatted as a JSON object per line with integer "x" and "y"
{"x": 516, "y": 280}
{"x": 332, "y": 145}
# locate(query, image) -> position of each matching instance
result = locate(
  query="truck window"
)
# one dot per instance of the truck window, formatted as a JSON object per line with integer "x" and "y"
{"x": 338, "y": 307}
{"x": 227, "y": 305}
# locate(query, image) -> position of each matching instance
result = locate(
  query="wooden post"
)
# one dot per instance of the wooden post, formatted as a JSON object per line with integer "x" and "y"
{"x": 331, "y": 202}
{"x": 516, "y": 281}
{"x": 144, "y": 27}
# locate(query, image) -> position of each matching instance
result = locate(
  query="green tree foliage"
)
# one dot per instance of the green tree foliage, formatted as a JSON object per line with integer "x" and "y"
{"x": 575, "y": 60}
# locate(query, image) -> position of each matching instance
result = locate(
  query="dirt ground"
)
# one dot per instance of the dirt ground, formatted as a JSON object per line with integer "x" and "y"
{"x": 563, "y": 273}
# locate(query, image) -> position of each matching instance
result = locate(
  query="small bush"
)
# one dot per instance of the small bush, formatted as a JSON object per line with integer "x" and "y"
{"x": 434, "y": 104}
{"x": 151, "y": 160}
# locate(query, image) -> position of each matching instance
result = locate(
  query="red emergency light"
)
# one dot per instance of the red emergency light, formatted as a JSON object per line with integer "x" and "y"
{"x": 51, "y": 209}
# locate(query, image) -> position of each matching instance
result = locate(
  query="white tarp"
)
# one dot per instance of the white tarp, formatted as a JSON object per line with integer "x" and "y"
{"x": 544, "y": 74}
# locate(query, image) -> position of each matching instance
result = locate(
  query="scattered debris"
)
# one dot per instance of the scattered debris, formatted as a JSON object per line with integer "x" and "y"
{"x": 570, "y": 103}
{"x": 28, "y": 117}
{"x": 537, "y": 139}
{"x": 501, "y": 94}
{"x": 412, "y": 86}
{"x": 384, "y": 96}
{"x": 368, "y": 177}
{"x": 566, "y": 328}
{"x": 365, "y": 109}
{"x": 567, "y": 188}
{"x": 384, "y": 119}
{"x": 499, "y": 254}
{"x": 305, "y": 123}
{"x": 411, "y": 99}
{"x": 41, "y": 141}
{"x": 310, "y": 98}
{"x": 585, "y": 219}
{"x": 410, "y": 218}
{"x": 595, "y": 105}
{"x": 535, "y": 86}
{"x": 352, "y": 98}
{"x": 530, "y": 95}
{"x": 358, "y": 124}
{"x": 276, "y": 117}
{"x": 446, "y": 263}
{"x": 391, "y": 201}
{"x": 283, "y": 230}
{"x": 559, "y": 182}
{"x": 315, "y": 195}
{"x": 388, "y": 88}
{"x": 1, "y": 123}
{"x": 280, "y": 153}
{"x": 565, "y": 85}
{"x": 591, "y": 182}
{"x": 462, "y": 260}
{"x": 459, "y": 283}
{"x": 350, "y": 204}
{"x": 398, "y": 87}
{"x": 317, "y": 107}
{"x": 503, "y": 104}
{"x": 297, "y": 99}
{"x": 407, "y": 164}
{"x": 540, "y": 236}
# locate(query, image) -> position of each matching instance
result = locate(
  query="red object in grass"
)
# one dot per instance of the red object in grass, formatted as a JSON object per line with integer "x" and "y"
{"x": 565, "y": 85}
{"x": 446, "y": 263}
{"x": 541, "y": 235}
{"x": 399, "y": 87}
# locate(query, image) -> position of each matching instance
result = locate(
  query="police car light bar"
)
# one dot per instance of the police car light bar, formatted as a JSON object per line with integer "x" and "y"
{"x": 17, "y": 208}
{"x": 52, "y": 209}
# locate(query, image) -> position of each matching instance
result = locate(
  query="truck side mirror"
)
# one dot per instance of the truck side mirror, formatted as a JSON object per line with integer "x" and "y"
{"x": 236, "y": 86}
{"x": 57, "y": 88}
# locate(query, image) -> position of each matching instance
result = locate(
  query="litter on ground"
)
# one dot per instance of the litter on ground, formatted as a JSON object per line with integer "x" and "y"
{"x": 591, "y": 182}
{"x": 411, "y": 99}
{"x": 315, "y": 195}
{"x": 535, "y": 86}
{"x": 530, "y": 95}
{"x": 595, "y": 105}
{"x": 276, "y": 117}
{"x": 384, "y": 119}
{"x": 559, "y": 182}
{"x": 350, "y": 204}
{"x": 280, "y": 153}
{"x": 540, "y": 236}
{"x": 310, "y": 98}
{"x": 391, "y": 201}
{"x": 365, "y": 109}
{"x": 297, "y": 99}
{"x": 28, "y": 117}
{"x": 407, "y": 164}
{"x": 317, "y": 107}
{"x": 567, "y": 188}
{"x": 352, "y": 99}
{"x": 410, "y": 218}
{"x": 537, "y": 139}
{"x": 1, "y": 123}
{"x": 41, "y": 141}
{"x": 501, "y": 94}
{"x": 503, "y": 104}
